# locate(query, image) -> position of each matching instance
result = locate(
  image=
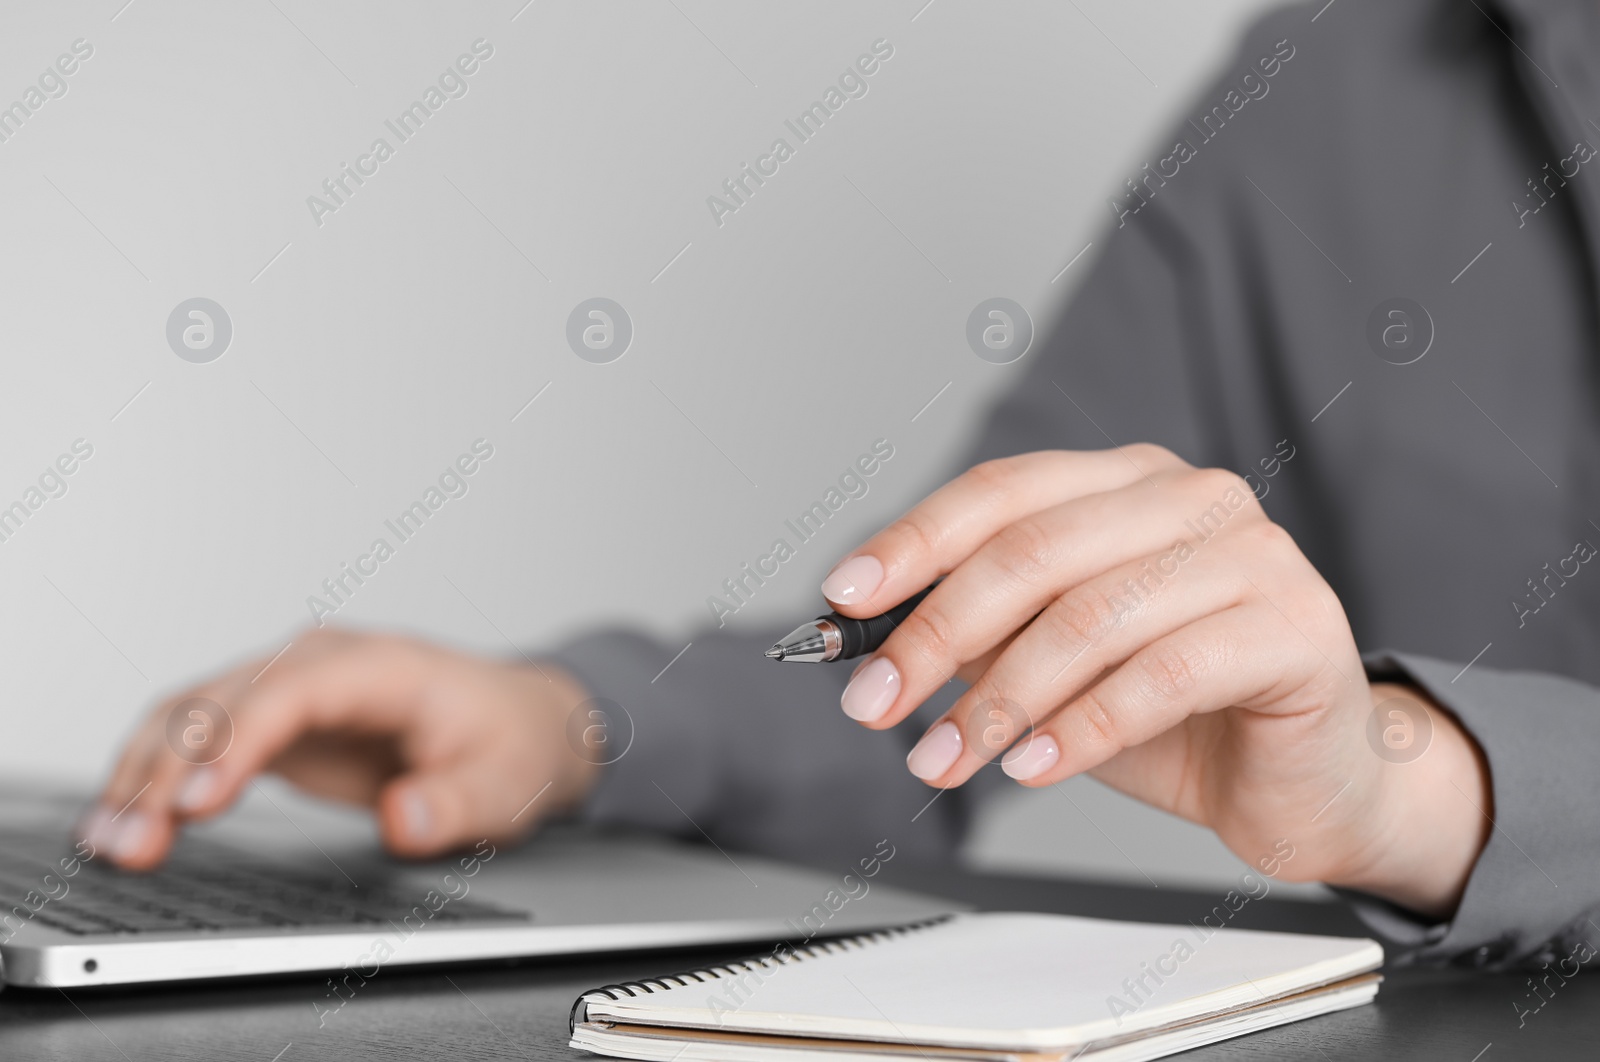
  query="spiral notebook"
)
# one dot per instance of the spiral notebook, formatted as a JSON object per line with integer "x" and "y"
{"x": 984, "y": 987}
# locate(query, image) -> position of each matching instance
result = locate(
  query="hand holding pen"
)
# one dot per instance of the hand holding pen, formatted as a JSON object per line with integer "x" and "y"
{"x": 1124, "y": 613}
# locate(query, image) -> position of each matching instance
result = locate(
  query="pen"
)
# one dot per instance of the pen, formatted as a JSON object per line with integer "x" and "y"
{"x": 836, "y": 637}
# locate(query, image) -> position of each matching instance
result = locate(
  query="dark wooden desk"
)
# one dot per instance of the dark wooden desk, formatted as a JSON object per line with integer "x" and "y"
{"x": 520, "y": 1011}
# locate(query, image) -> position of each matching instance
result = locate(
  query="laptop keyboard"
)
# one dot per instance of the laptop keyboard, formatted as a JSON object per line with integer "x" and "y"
{"x": 205, "y": 886}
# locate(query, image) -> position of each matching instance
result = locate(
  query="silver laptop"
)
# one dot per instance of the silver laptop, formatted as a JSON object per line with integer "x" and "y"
{"x": 227, "y": 906}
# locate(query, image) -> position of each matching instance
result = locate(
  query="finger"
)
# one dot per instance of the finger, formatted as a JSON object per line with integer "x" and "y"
{"x": 1024, "y": 567}
{"x": 132, "y": 769}
{"x": 344, "y": 767}
{"x": 947, "y": 526}
{"x": 139, "y": 755}
{"x": 453, "y": 805}
{"x": 128, "y": 779}
{"x": 1091, "y": 628}
{"x": 133, "y": 821}
{"x": 332, "y": 681}
{"x": 1227, "y": 659}
{"x": 367, "y": 686}
{"x": 973, "y": 670}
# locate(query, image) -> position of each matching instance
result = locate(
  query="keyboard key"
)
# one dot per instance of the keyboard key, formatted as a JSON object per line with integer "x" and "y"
{"x": 206, "y": 887}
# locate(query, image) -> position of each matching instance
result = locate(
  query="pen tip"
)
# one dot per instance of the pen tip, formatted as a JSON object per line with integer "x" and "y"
{"x": 775, "y": 653}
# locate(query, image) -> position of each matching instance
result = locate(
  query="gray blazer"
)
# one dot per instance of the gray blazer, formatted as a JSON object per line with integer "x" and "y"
{"x": 1445, "y": 462}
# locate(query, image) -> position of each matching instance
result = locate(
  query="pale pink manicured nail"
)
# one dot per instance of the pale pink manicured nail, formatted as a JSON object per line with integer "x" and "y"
{"x": 414, "y": 813}
{"x": 197, "y": 789}
{"x": 936, "y": 753}
{"x": 871, "y": 691}
{"x": 129, "y": 835}
{"x": 1031, "y": 758}
{"x": 854, "y": 581}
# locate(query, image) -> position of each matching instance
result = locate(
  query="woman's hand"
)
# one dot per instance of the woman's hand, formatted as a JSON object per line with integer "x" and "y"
{"x": 1124, "y": 614}
{"x": 446, "y": 748}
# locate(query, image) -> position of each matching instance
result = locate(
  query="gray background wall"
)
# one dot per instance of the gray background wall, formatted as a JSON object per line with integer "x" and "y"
{"x": 372, "y": 348}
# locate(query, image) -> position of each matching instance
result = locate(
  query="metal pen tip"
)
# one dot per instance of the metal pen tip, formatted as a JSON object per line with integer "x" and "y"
{"x": 806, "y": 644}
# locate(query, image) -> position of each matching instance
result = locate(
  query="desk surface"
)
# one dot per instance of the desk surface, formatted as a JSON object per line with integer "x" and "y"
{"x": 520, "y": 1011}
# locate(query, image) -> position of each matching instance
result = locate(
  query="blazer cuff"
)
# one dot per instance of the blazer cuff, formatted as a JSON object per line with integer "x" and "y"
{"x": 1532, "y": 888}
{"x": 658, "y": 759}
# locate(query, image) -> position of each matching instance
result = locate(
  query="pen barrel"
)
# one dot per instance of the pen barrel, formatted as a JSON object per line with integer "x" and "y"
{"x": 858, "y": 637}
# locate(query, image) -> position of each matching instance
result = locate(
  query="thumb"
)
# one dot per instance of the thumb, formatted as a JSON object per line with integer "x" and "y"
{"x": 454, "y": 805}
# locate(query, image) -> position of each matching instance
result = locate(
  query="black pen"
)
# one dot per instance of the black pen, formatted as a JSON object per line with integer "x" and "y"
{"x": 836, "y": 637}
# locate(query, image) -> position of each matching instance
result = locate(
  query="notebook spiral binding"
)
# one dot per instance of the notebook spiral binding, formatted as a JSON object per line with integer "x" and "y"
{"x": 704, "y": 974}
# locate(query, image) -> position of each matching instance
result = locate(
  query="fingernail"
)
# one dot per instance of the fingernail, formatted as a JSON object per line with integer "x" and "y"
{"x": 414, "y": 815}
{"x": 1031, "y": 758}
{"x": 871, "y": 691}
{"x": 853, "y": 581}
{"x": 197, "y": 789}
{"x": 936, "y": 753}
{"x": 130, "y": 836}
{"x": 96, "y": 828}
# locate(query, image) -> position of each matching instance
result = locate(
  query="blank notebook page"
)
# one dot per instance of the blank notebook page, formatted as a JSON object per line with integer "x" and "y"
{"x": 1008, "y": 981}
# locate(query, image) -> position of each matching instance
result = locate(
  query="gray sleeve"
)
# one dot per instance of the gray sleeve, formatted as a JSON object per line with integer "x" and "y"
{"x": 730, "y": 747}
{"x": 1536, "y": 887}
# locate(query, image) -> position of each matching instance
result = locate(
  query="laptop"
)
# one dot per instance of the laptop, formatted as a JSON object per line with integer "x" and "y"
{"x": 229, "y": 904}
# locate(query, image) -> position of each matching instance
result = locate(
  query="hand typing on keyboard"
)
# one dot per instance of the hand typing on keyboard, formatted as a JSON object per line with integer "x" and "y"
{"x": 443, "y": 746}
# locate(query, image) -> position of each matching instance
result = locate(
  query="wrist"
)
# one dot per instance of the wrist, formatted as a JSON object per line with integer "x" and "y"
{"x": 564, "y": 727}
{"x": 1431, "y": 815}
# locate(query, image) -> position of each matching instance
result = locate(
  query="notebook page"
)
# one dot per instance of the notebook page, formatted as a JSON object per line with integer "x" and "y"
{"x": 667, "y": 1044}
{"x": 1006, "y": 981}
